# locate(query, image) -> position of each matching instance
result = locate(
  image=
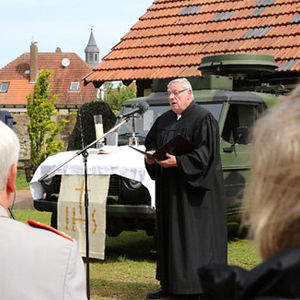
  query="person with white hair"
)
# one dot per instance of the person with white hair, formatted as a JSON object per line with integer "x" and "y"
{"x": 36, "y": 262}
{"x": 271, "y": 210}
{"x": 190, "y": 206}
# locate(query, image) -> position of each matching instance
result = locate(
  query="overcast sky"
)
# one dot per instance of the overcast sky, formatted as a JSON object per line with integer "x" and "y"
{"x": 65, "y": 24}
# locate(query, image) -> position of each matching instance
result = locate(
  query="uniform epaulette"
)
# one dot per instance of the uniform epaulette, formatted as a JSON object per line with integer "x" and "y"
{"x": 43, "y": 226}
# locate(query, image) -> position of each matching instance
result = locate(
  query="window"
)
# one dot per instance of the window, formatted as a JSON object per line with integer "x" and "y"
{"x": 240, "y": 116}
{"x": 142, "y": 123}
{"x": 74, "y": 86}
{"x": 214, "y": 108}
{"x": 4, "y": 86}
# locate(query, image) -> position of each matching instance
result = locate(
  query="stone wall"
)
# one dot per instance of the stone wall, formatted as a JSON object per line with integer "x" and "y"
{"x": 20, "y": 129}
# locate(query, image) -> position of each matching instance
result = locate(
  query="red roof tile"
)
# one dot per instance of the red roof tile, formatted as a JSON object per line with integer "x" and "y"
{"x": 61, "y": 78}
{"x": 171, "y": 38}
{"x": 17, "y": 89}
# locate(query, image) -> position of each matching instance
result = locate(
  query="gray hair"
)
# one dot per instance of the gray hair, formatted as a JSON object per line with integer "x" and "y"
{"x": 9, "y": 152}
{"x": 271, "y": 202}
{"x": 184, "y": 82}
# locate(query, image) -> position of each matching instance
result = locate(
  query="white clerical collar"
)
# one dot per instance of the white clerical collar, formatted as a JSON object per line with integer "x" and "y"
{"x": 178, "y": 117}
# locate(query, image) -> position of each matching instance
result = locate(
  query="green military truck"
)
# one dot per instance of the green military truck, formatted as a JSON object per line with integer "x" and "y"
{"x": 234, "y": 89}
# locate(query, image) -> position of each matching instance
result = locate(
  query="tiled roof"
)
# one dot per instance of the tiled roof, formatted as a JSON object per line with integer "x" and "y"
{"x": 170, "y": 39}
{"x": 61, "y": 78}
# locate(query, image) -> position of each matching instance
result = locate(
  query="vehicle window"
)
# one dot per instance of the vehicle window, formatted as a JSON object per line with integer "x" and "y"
{"x": 142, "y": 123}
{"x": 214, "y": 108}
{"x": 240, "y": 117}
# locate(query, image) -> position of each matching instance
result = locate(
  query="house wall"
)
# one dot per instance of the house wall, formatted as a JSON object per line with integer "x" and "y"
{"x": 20, "y": 129}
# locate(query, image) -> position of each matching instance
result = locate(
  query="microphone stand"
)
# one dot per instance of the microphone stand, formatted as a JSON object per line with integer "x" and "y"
{"x": 85, "y": 155}
{"x": 134, "y": 138}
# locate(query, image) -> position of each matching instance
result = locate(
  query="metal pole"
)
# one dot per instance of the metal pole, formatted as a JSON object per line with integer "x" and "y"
{"x": 85, "y": 155}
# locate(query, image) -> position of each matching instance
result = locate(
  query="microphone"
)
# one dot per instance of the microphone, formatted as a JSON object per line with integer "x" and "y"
{"x": 140, "y": 108}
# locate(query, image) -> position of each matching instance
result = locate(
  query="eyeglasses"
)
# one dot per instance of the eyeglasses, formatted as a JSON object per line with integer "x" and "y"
{"x": 176, "y": 93}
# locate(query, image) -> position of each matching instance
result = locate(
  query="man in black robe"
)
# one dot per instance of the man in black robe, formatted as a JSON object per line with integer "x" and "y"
{"x": 190, "y": 208}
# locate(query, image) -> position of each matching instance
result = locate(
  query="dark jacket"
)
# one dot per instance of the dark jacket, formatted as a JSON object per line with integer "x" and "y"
{"x": 276, "y": 278}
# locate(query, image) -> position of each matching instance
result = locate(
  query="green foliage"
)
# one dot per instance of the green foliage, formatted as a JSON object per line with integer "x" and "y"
{"x": 115, "y": 96}
{"x": 42, "y": 127}
{"x": 85, "y": 123}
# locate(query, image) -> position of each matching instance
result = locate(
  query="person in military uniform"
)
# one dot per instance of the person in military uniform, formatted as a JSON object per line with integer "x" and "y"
{"x": 35, "y": 263}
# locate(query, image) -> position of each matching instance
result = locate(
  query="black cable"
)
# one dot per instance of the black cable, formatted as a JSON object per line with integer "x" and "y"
{"x": 10, "y": 209}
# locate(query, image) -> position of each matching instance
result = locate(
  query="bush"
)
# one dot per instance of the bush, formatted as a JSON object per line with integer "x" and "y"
{"x": 85, "y": 116}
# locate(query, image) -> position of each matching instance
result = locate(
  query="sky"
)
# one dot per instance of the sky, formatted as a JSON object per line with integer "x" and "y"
{"x": 65, "y": 24}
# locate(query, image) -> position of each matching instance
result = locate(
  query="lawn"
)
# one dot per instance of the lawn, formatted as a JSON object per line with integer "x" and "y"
{"x": 21, "y": 182}
{"x": 128, "y": 271}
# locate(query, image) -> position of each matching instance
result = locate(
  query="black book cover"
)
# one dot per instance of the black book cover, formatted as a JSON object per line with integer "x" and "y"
{"x": 176, "y": 146}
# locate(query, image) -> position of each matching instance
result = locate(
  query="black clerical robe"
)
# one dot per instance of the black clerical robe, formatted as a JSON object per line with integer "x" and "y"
{"x": 190, "y": 208}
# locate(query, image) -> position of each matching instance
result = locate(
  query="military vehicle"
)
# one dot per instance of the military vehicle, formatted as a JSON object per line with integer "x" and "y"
{"x": 6, "y": 118}
{"x": 235, "y": 89}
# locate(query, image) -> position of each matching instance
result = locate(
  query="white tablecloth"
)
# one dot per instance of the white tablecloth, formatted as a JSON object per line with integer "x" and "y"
{"x": 122, "y": 161}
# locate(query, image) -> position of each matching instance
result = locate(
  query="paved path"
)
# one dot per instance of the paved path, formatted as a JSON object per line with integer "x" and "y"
{"x": 23, "y": 199}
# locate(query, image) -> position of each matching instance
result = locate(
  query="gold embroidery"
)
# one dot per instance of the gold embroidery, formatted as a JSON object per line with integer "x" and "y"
{"x": 75, "y": 219}
{"x": 81, "y": 195}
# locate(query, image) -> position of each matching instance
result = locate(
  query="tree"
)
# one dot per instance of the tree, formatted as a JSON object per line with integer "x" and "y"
{"x": 114, "y": 96}
{"x": 42, "y": 127}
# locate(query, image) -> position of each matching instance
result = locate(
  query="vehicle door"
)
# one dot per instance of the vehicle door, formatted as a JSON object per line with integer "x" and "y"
{"x": 236, "y": 125}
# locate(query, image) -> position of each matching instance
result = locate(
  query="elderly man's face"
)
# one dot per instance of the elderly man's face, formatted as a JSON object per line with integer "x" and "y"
{"x": 179, "y": 97}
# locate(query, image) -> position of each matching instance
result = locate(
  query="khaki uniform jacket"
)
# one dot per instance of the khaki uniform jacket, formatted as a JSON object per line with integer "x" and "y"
{"x": 38, "y": 264}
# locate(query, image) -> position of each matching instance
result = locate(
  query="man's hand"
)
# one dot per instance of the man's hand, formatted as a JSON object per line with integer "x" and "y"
{"x": 169, "y": 162}
{"x": 149, "y": 160}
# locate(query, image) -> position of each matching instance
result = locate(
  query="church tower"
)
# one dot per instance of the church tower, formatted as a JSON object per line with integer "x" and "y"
{"x": 92, "y": 51}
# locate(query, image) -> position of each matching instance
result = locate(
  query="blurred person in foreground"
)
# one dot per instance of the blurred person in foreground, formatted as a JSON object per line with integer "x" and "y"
{"x": 272, "y": 204}
{"x": 190, "y": 208}
{"x": 35, "y": 263}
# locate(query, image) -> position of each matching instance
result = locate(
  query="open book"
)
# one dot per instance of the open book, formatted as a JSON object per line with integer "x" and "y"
{"x": 176, "y": 146}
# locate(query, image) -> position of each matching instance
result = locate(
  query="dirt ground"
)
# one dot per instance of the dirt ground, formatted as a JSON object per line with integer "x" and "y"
{"x": 23, "y": 199}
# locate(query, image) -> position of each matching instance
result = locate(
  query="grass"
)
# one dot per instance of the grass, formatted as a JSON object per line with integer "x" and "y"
{"x": 128, "y": 271}
{"x": 23, "y": 215}
{"x": 21, "y": 182}
{"x": 243, "y": 253}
